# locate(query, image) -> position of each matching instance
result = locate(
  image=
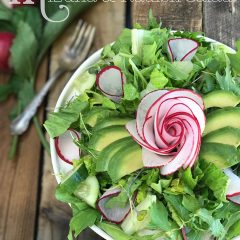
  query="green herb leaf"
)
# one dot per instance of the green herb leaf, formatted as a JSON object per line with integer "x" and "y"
{"x": 82, "y": 218}
{"x": 158, "y": 79}
{"x": 130, "y": 92}
{"x": 58, "y": 122}
{"x": 159, "y": 217}
{"x": 24, "y": 57}
{"x": 235, "y": 59}
{"x": 211, "y": 173}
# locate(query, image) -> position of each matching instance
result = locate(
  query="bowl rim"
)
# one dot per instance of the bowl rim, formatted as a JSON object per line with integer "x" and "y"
{"x": 83, "y": 67}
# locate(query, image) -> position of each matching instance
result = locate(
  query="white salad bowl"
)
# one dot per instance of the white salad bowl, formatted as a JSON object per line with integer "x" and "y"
{"x": 75, "y": 87}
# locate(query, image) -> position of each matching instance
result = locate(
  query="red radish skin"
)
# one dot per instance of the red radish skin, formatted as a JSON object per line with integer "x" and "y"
{"x": 110, "y": 80}
{"x": 108, "y": 194}
{"x": 189, "y": 50}
{"x": 72, "y": 149}
{"x": 184, "y": 233}
{"x": 6, "y": 40}
{"x": 169, "y": 126}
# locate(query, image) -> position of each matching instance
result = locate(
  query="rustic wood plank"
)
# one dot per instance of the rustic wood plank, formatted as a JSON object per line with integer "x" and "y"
{"x": 177, "y": 14}
{"x": 19, "y": 177}
{"x": 54, "y": 216}
{"x": 221, "y": 21}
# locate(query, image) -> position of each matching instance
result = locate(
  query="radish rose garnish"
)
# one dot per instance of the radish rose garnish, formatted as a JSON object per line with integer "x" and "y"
{"x": 168, "y": 126}
{"x": 182, "y": 49}
{"x": 110, "y": 81}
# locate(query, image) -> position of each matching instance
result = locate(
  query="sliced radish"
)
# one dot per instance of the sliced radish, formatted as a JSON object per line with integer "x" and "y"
{"x": 181, "y": 49}
{"x": 149, "y": 100}
{"x": 110, "y": 81}
{"x": 117, "y": 214}
{"x": 233, "y": 191}
{"x": 65, "y": 147}
{"x": 168, "y": 126}
{"x": 152, "y": 160}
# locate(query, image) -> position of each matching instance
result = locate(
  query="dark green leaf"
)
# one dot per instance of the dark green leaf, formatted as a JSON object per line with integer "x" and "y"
{"x": 176, "y": 203}
{"x": 159, "y": 217}
{"x": 30, "y": 16}
{"x": 5, "y": 13}
{"x": 58, "y": 122}
{"x": 24, "y": 50}
{"x": 215, "y": 179}
{"x": 5, "y": 91}
{"x": 82, "y": 219}
{"x": 190, "y": 203}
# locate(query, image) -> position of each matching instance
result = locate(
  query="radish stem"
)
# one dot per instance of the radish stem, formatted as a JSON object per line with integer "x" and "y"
{"x": 13, "y": 148}
{"x": 41, "y": 135}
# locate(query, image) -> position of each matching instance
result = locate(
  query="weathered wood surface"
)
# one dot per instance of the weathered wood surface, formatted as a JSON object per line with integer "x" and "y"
{"x": 53, "y": 215}
{"x": 221, "y": 21}
{"x": 178, "y": 14}
{"x": 19, "y": 177}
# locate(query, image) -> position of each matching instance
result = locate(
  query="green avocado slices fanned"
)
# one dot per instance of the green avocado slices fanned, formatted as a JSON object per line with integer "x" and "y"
{"x": 222, "y": 155}
{"x": 108, "y": 152}
{"x": 106, "y": 136}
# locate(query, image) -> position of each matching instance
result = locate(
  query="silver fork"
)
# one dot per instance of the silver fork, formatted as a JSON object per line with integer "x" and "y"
{"x": 73, "y": 54}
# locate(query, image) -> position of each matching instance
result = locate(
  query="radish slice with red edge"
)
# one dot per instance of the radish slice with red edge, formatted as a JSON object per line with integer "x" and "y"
{"x": 110, "y": 81}
{"x": 66, "y": 149}
{"x": 182, "y": 49}
{"x": 233, "y": 191}
{"x": 116, "y": 214}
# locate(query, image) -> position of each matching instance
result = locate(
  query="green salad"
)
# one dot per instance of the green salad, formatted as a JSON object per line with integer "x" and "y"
{"x": 153, "y": 139}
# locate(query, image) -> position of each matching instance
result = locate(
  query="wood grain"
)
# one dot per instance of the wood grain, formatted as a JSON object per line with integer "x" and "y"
{"x": 221, "y": 21}
{"x": 54, "y": 216}
{"x": 19, "y": 177}
{"x": 177, "y": 14}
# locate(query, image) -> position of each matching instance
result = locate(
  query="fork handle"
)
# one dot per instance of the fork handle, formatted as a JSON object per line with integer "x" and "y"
{"x": 20, "y": 124}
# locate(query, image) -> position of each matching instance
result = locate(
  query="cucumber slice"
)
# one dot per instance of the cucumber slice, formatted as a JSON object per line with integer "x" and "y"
{"x": 74, "y": 178}
{"x": 107, "y": 153}
{"x": 88, "y": 191}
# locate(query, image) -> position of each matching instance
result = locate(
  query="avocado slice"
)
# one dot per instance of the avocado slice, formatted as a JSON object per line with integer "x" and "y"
{"x": 125, "y": 161}
{"x": 226, "y": 117}
{"x": 221, "y": 99}
{"x": 222, "y": 155}
{"x": 226, "y": 135}
{"x": 106, "y": 136}
{"x": 109, "y": 151}
{"x": 97, "y": 114}
{"x": 111, "y": 121}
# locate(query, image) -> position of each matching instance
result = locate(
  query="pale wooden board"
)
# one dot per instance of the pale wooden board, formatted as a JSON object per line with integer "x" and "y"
{"x": 54, "y": 216}
{"x": 221, "y": 21}
{"x": 178, "y": 15}
{"x": 19, "y": 177}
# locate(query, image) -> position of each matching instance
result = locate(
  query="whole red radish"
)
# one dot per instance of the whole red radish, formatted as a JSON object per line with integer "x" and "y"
{"x": 6, "y": 39}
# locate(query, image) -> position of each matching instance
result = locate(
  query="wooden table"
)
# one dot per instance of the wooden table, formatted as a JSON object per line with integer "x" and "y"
{"x": 28, "y": 209}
